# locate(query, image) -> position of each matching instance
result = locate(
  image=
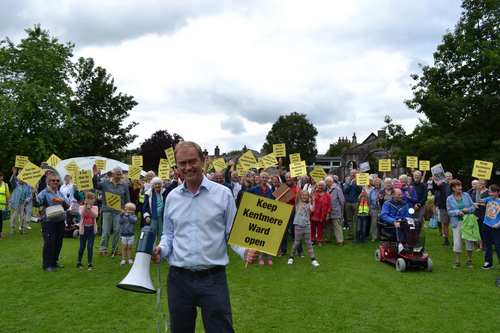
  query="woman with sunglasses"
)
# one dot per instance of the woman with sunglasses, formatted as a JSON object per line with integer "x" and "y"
{"x": 52, "y": 229}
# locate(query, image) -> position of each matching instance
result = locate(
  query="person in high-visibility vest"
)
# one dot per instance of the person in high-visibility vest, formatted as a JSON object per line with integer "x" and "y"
{"x": 363, "y": 217}
{"x": 4, "y": 200}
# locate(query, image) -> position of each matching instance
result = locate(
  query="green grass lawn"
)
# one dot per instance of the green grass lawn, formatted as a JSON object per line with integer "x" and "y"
{"x": 349, "y": 292}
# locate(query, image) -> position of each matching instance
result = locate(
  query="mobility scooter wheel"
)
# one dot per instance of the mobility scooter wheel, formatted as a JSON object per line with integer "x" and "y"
{"x": 378, "y": 255}
{"x": 430, "y": 265}
{"x": 400, "y": 265}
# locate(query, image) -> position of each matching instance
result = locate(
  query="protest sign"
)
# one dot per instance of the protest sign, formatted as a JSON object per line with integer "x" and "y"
{"x": 279, "y": 150}
{"x": 164, "y": 170}
{"x": 318, "y": 174}
{"x": 241, "y": 170}
{"x": 134, "y": 172}
{"x": 53, "y": 161}
{"x": 438, "y": 171}
{"x": 21, "y": 161}
{"x": 100, "y": 164}
{"x": 170, "y": 156}
{"x": 482, "y": 169}
{"x": 260, "y": 224}
{"x": 269, "y": 160}
{"x": 384, "y": 165}
{"x": 74, "y": 177}
{"x": 113, "y": 201}
{"x": 295, "y": 158}
{"x": 164, "y": 161}
{"x": 248, "y": 159}
{"x": 31, "y": 174}
{"x": 219, "y": 164}
{"x": 424, "y": 165}
{"x": 137, "y": 160}
{"x": 363, "y": 179}
{"x": 283, "y": 193}
{"x": 364, "y": 167}
{"x": 411, "y": 161}
{"x": 72, "y": 166}
{"x": 298, "y": 169}
{"x": 84, "y": 180}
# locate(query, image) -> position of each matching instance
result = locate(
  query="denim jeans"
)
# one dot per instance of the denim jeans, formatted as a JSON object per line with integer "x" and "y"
{"x": 87, "y": 237}
{"x": 361, "y": 228}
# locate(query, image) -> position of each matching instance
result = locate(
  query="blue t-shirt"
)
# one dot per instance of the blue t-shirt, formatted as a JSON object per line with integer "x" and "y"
{"x": 492, "y": 215}
{"x": 159, "y": 205}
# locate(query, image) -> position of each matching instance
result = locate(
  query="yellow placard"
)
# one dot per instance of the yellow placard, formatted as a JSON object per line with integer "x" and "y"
{"x": 411, "y": 161}
{"x": 279, "y": 150}
{"x": 164, "y": 170}
{"x": 164, "y": 161}
{"x": 269, "y": 160}
{"x": 295, "y": 158}
{"x": 248, "y": 159}
{"x": 170, "y": 156}
{"x": 100, "y": 164}
{"x": 219, "y": 164}
{"x": 260, "y": 163}
{"x": 113, "y": 201}
{"x": 84, "y": 180}
{"x": 363, "y": 179}
{"x": 137, "y": 160}
{"x": 384, "y": 165}
{"x": 318, "y": 174}
{"x": 240, "y": 169}
{"x": 298, "y": 169}
{"x": 260, "y": 224}
{"x": 482, "y": 169}
{"x": 134, "y": 172}
{"x": 21, "y": 161}
{"x": 74, "y": 177}
{"x": 53, "y": 160}
{"x": 31, "y": 174}
{"x": 424, "y": 165}
{"x": 72, "y": 166}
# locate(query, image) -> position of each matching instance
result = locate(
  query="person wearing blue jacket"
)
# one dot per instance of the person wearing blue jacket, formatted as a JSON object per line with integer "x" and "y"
{"x": 392, "y": 212}
{"x": 21, "y": 195}
{"x": 352, "y": 192}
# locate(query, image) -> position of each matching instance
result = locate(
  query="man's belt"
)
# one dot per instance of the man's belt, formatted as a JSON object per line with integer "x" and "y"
{"x": 199, "y": 272}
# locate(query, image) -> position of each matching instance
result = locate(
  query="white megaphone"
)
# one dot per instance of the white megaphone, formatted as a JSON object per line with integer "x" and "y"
{"x": 138, "y": 279}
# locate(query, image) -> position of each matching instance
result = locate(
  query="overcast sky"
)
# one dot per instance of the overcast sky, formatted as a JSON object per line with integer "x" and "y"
{"x": 222, "y": 72}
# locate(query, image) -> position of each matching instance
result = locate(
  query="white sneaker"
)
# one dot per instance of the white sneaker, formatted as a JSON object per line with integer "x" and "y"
{"x": 400, "y": 248}
{"x": 290, "y": 261}
{"x": 130, "y": 261}
{"x": 122, "y": 262}
{"x": 28, "y": 227}
{"x": 315, "y": 263}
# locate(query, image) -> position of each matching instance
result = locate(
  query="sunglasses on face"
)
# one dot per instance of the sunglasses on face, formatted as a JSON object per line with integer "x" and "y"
{"x": 55, "y": 180}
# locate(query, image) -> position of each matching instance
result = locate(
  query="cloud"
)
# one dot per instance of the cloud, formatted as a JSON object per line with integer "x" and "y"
{"x": 233, "y": 125}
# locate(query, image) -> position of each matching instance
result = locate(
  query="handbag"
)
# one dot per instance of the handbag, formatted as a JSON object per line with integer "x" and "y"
{"x": 54, "y": 211}
{"x": 5, "y": 215}
{"x": 433, "y": 223}
{"x": 470, "y": 228}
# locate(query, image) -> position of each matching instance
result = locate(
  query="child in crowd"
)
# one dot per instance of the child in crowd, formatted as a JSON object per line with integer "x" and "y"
{"x": 491, "y": 225}
{"x": 127, "y": 221}
{"x": 88, "y": 229}
{"x": 363, "y": 217}
{"x": 302, "y": 222}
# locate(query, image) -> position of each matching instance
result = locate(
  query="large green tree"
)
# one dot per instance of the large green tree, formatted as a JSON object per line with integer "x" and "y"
{"x": 336, "y": 147}
{"x": 153, "y": 149}
{"x": 297, "y": 133}
{"x": 459, "y": 96}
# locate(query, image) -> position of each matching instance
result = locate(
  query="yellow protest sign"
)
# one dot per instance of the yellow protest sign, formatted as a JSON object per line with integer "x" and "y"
{"x": 269, "y": 160}
{"x": 53, "y": 160}
{"x": 21, "y": 161}
{"x": 298, "y": 169}
{"x": 384, "y": 165}
{"x": 219, "y": 164}
{"x": 134, "y": 172}
{"x": 295, "y": 158}
{"x": 100, "y": 164}
{"x": 260, "y": 224}
{"x": 72, "y": 166}
{"x": 240, "y": 169}
{"x": 113, "y": 201}
{"x": 424, "y": 165}
{"x": 170, "y": 156}
{"x": 363, "y": 179}
{"x": 260, "y": 163}
{"x": 137, "y": 160}
{"x": 318, "y": 174}
{"x": 248, "y": 159}
{"x": 164, "y": 170}
{"x": 482, "y": 169}
{"x": 74, "y": 177}
{"x": 31, "y": 174}
{"x": 279, "y": 150}
{"x": 411, "y": 161}
{"x": 164, "y": 161}
{"x": 84, "y": 180}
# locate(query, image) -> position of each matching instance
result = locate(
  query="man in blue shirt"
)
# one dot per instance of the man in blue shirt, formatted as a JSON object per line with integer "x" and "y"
{"x": 196, "y": 224}
{"x": 392, "y": 212}
{"x": 352, "y": 192}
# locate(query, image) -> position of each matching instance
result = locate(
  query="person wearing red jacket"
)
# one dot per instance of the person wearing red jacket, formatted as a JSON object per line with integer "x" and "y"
{"x": 321, "y": 213}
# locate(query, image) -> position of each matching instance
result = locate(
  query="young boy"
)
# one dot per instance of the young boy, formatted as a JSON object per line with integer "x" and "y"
{"x": 490, "y": 227}
{"x": 127, "y": 221}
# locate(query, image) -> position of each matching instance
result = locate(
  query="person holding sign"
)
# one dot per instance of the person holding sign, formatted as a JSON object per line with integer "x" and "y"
{"x": 114, "y": 185}
{"x": 21, "y": 194}
{"x": 444, "y": 193}
{"x": 352, "y": 191}
{"x": 321, "y": 212}
{"x": 304, "y": 206}
{"x": 53, "y": 227}
{"x": 234, "y": 180}
{"x": 197, "y": 222}
{"x": 421, "y": 190}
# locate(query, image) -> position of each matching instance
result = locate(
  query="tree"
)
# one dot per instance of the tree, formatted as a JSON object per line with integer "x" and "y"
{"x": 298, "y": 135}
{"x": 459, "y": 96}
{"x": 98, "y": 113}
{"x": 336, "y": 148}
{"x": 34, "y": 94}
{"x": 153, "y": 149}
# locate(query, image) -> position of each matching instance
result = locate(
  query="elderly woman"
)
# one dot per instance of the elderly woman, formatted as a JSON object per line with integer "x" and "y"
{"x": 275, "y": 182}
{"x": 374, "y": 206}
{"x": 387, "y": 192}
{"x": 321, "y": 212}
{"x": 153, "y": 207}
{"x": 457, "y": 205}
{"x": 52, "y": 228}
{"x": 409, "y": 194}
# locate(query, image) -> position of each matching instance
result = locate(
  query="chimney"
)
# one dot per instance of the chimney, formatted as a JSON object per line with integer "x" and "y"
{"x": 381, "y": 133}
{"x": 217, "y": 151}
{"x": 354, "y": 138}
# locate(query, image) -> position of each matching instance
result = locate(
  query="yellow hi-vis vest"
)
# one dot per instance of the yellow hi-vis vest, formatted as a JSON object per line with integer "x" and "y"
{"x": 141, "y": 197}
{"x": 363, "y": 207}
{"x": 4, "y": 190}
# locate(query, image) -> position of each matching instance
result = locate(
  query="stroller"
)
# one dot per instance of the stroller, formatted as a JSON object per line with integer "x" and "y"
{"x": 413, "y": 256}
{"x": 71, "y": 226}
